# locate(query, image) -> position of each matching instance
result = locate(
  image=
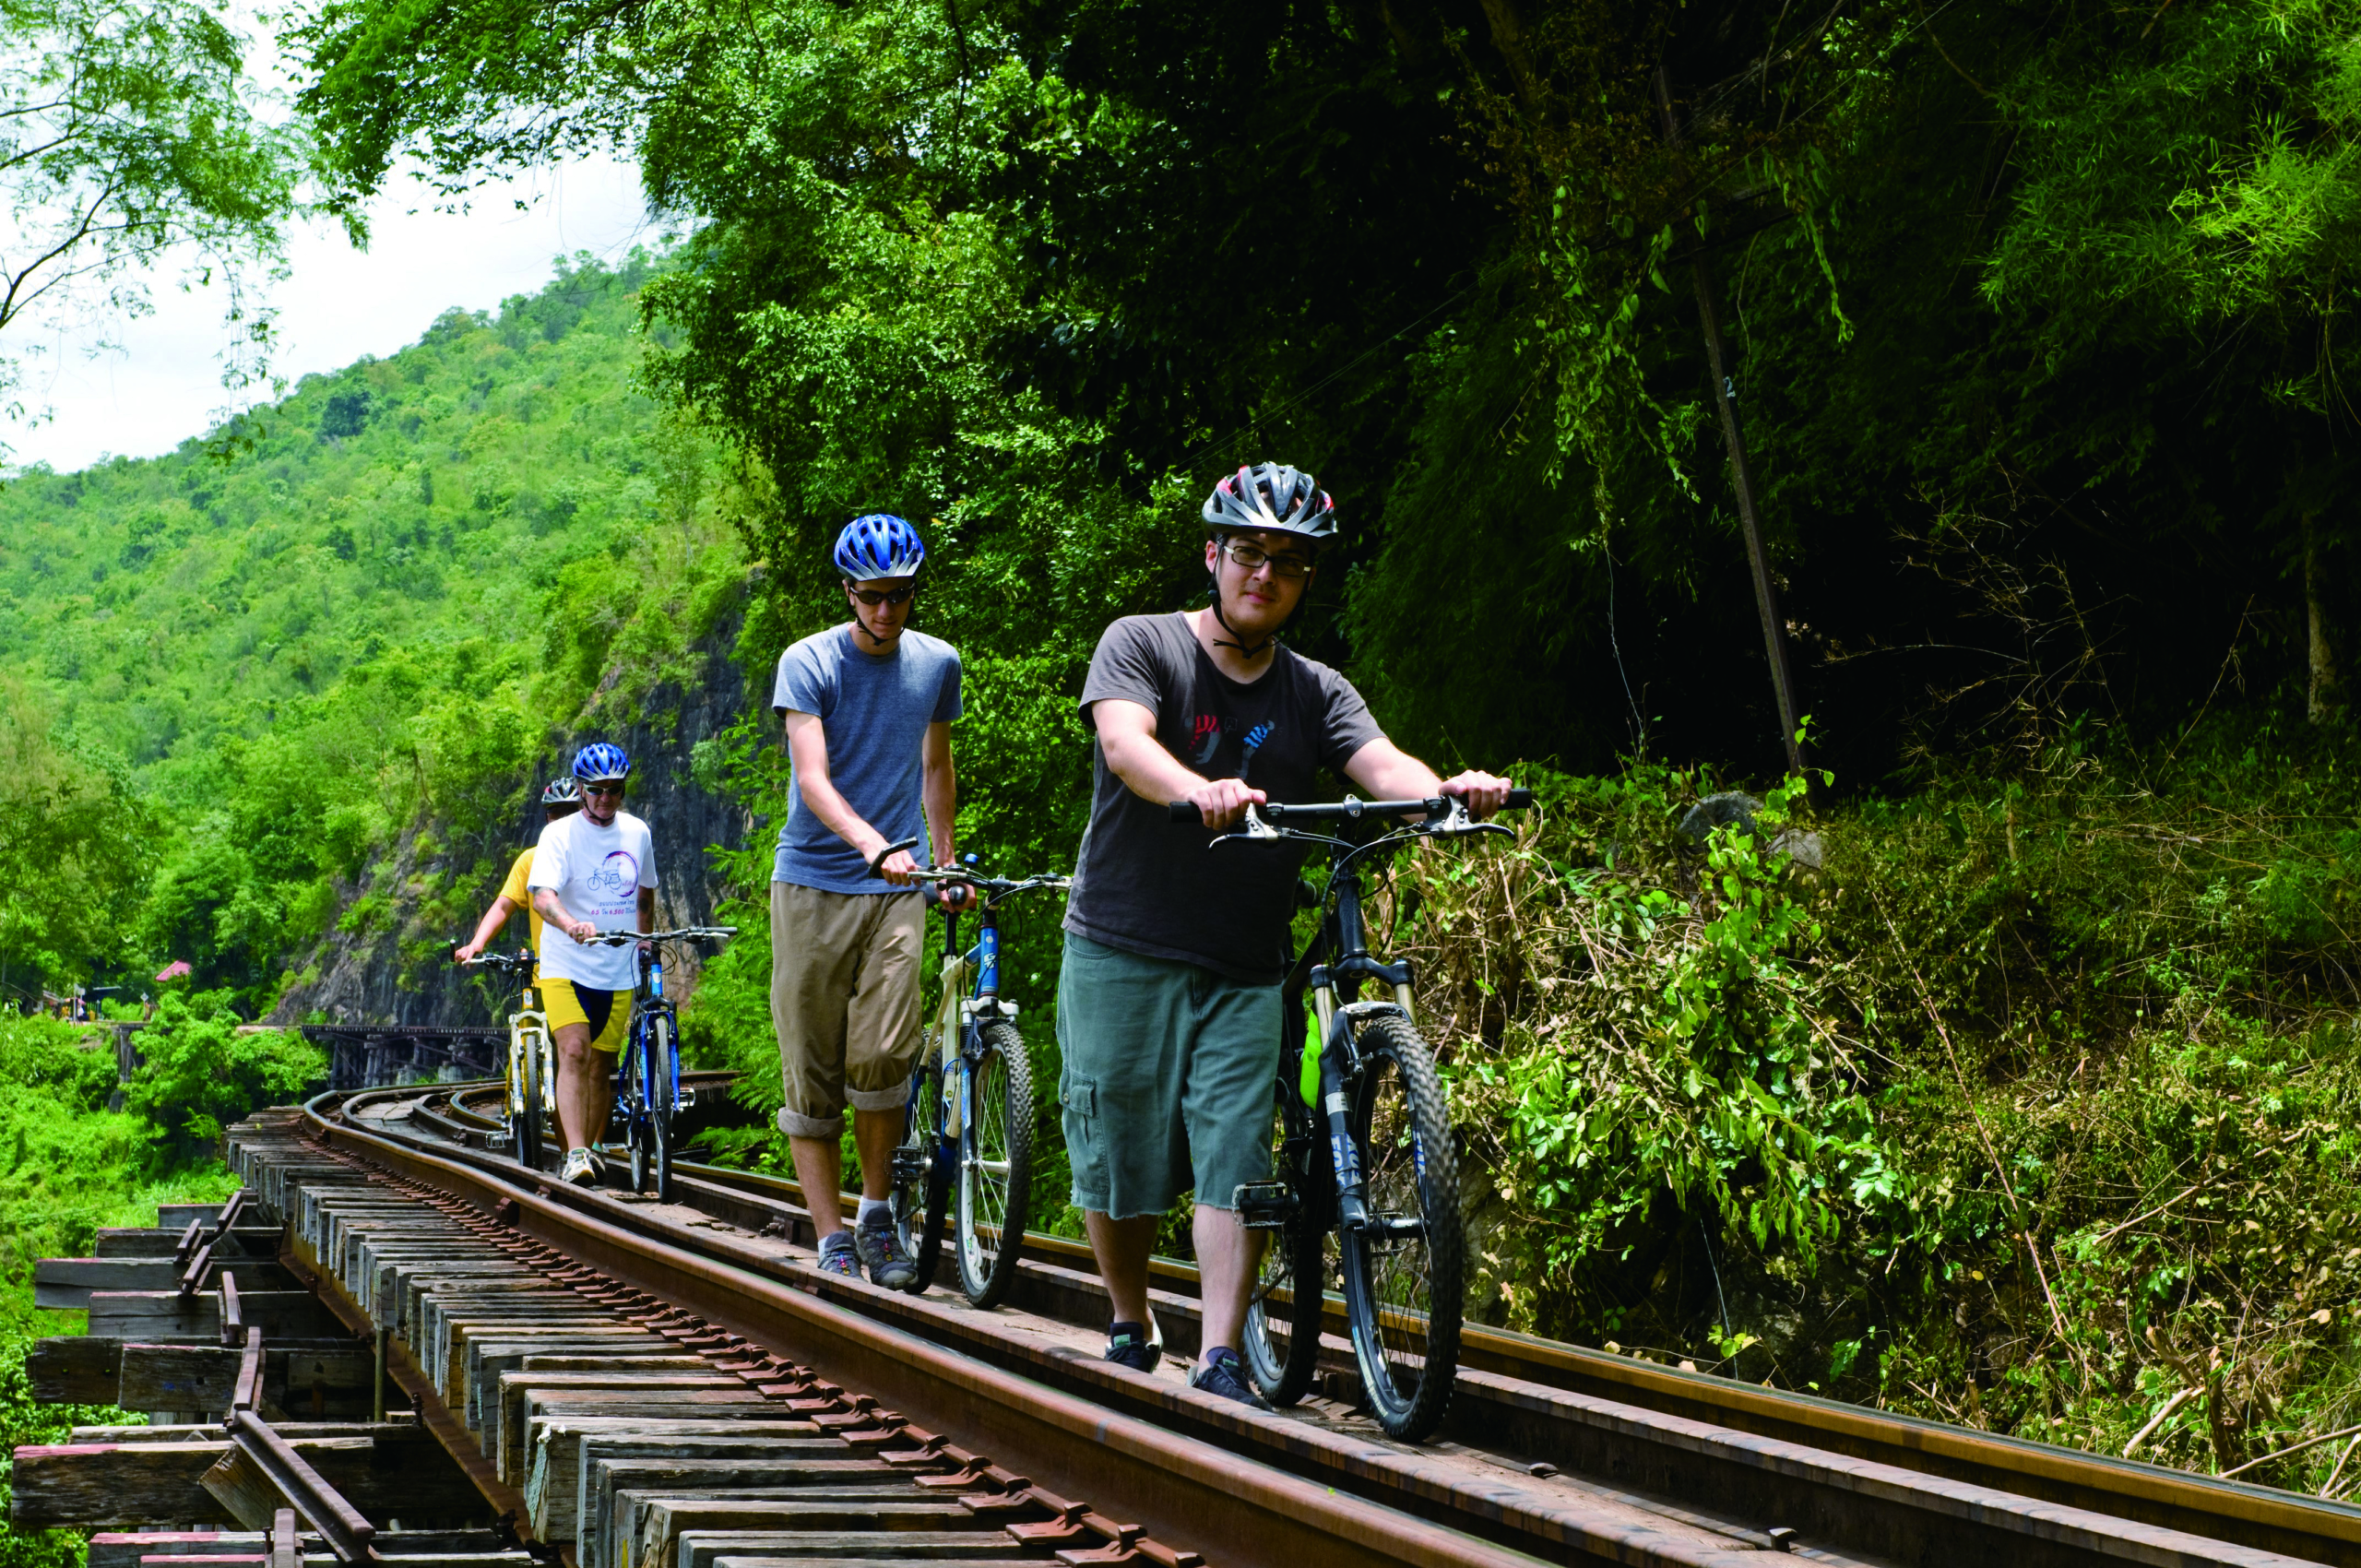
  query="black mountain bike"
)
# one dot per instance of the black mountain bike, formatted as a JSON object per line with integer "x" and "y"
{"x": 1364, "y": 1146}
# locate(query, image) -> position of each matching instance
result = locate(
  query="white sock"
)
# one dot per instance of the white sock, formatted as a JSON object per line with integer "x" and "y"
{"x": 869, "y": 1206}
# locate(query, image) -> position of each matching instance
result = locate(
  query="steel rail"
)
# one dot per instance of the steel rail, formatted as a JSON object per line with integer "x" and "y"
{"x": 1181, "y": 1490}
{"x": 2267, "y": 1518}
{"x": 1895, "y": 1506}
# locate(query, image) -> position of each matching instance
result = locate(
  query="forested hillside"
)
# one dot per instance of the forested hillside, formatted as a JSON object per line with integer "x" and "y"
{"x": 260, "y": 666}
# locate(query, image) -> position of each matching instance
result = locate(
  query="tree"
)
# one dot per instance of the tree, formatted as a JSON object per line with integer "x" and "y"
{"x": 75, "y": 848}
{"x": 128, "y": 139}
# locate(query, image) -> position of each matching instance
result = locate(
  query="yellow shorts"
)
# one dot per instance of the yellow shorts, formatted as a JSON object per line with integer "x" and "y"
{"x": 607, "y": 1012}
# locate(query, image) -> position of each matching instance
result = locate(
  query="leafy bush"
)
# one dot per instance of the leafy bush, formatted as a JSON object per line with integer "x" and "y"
{"x": 200, "y": 1072}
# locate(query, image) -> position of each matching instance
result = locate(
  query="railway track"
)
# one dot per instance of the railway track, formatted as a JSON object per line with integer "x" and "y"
{"x": 636, "y": 1381}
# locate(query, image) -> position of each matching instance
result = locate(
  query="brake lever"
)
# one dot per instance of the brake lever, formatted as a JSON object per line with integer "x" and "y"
{"x": 1256, "y": 830}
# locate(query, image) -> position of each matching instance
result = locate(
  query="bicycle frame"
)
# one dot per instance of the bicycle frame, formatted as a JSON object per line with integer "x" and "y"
{"x": 1335, "y": 987}
{"x": 960, "y": 1018}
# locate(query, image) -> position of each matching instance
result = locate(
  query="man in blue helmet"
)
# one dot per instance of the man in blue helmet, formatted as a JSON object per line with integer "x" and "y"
{"x": 868, "y": 707}
{"x": 592, "y": 872}
{"x": 1168, "y": 1009}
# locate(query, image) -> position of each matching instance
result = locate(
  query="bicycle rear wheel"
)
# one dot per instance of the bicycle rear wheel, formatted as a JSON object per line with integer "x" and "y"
{"x": 995, "y": 1165}
{"x": 1281, "y": 1342}
{"x": 1403, "y": 1280}
{"x": 920, "y": 1198}
{"x": 663, "y": 1089}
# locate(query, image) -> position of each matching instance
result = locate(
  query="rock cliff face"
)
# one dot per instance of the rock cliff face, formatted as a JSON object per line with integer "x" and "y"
{"x": 390, "y": 972}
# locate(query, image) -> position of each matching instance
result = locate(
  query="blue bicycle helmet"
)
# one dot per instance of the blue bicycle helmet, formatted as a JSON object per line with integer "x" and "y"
{"x": 878, "y": 545}
{"x": 598, "y": 760}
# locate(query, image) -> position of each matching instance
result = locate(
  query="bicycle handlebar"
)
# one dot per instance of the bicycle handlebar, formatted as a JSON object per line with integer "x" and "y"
{"x": 1183, "y": 811}
{"x": 495, "y": 961}
{"x": 997, "y": 888}
{"x": 685, "y": 933}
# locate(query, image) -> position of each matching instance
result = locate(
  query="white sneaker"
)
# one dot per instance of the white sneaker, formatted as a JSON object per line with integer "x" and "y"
{"x": 581, "y": 1168}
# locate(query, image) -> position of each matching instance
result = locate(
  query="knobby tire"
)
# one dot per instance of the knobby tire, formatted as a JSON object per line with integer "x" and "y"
{"x": 921, "y": 1192}
{"x": 524, "y": 1121}
{"x": 1403, "y": 1299}
{"x": 992, "y": 1205}
{"x": 661, "y": 1092}
{"x": 1281, "y": 1342}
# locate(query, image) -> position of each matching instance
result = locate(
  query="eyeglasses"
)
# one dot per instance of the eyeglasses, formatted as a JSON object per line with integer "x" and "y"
{"x": 614, "y": 789}
{"x": 1253, "y": 558}
{"x": 875, "y": 597}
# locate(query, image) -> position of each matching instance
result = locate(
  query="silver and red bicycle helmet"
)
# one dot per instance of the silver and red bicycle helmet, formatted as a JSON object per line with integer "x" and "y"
{"x": 1272, "y": 498}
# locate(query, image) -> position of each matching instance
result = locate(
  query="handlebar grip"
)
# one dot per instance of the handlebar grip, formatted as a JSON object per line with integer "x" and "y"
{"x": 1519, "y": 800}
{"x": 1186, "y": 812}
{"x": 877, "y": 862}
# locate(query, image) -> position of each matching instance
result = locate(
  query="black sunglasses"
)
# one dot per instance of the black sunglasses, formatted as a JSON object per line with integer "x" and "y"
{"x": 875, "y": 597}
{"x": 615, "y": 788}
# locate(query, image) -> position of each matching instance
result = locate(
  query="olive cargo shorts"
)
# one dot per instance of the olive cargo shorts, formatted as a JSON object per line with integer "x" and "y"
{"x": 843, "y": 1002}
{"x": 1168, "y": 1082}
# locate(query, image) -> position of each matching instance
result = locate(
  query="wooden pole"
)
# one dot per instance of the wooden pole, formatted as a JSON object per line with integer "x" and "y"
{"x": 1766, "y": 598}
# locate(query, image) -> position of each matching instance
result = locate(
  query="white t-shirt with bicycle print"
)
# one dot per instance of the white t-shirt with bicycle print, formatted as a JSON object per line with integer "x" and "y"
{"x": 597, "y": 874}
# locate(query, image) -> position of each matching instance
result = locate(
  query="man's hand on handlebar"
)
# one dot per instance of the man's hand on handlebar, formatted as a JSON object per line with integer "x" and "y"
{"x": 1484, "y": 793}
{"x": 468, "y": 953}
{"x": 1220, "y": 802}
{"x": 581, "y": 931}
{"x": 895, "y": 867}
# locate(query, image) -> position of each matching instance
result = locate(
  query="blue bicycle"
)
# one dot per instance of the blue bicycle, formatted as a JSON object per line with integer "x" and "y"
{"x": 648, "y": 1075}
{"x": 967, "y": 1142}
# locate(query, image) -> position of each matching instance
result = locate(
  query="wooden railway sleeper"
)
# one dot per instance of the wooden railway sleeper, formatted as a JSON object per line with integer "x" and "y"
{"x": 856, "y": 1419}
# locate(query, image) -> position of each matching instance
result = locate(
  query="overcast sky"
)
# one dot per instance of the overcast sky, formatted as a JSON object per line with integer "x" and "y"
{"x": 164, "y": 384}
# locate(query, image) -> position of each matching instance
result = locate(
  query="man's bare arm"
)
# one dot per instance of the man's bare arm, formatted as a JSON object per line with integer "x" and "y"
{"x": 545, "y": 901}
{"x": 807, "y": 747}
{"x": 939, "y": 793}
{"x": 1127, "y": 739}
{"x": 1389, "y": 773}
{"x": 486, "y": 928}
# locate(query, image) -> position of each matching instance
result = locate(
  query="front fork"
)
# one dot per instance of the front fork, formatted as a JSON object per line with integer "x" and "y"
{"x": 1340, "y": 1068}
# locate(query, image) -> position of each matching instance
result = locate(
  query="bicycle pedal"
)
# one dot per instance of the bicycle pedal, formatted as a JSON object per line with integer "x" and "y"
{"x": 1264, "y": 1206}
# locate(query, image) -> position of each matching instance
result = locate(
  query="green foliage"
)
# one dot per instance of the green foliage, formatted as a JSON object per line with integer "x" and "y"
{"x": 67, "y": 1165}
{"x": 372, "y": 616}
{"x": 133, "y": 143}
{"x": 199, "y": 1072}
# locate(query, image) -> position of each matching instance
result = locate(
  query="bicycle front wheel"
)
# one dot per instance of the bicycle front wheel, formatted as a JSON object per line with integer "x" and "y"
{"x": 1403, "y": 1270}
{"x": 634, "y": 1108}
{"x": 1281, "y": 1343}
{"x": 921, "y": 1194}
{"x": 524, "y": 1048}
{"x": 995, "y": 1164}
{"x": 662, "y": 1090}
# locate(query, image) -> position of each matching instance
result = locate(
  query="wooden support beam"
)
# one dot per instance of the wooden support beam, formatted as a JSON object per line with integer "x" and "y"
{"x": 154, "y": 1315}
{"x": 401, "y": 1472}
{"x": 65, "y": 1283}
{"x": 75, "y": 1370}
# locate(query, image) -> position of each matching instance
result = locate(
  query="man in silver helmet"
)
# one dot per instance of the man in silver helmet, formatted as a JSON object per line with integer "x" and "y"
{"x": 1169, "y": 1010}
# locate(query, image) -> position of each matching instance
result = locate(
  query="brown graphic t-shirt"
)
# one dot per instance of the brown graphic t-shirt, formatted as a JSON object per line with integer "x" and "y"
{"x": 1147, "y": 885}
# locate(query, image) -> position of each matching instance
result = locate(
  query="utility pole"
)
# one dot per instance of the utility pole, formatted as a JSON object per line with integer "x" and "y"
{"x": 1766, "y": 598}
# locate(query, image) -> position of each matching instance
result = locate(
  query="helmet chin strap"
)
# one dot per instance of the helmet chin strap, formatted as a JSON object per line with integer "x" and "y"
{"x": 1259, "y": 650}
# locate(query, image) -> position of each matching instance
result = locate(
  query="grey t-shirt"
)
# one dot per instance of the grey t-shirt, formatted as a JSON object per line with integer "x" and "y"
{"x": 873, "y": 712}
{"x": 1148, "y": 886}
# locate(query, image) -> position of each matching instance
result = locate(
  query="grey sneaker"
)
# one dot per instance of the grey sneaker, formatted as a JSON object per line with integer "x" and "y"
{"x": 1222, "y": 1372}
{"x": 1128, "y": 1344}
{"x": 881, "y": 1248}
{"x": 838, "y": 1256}
{"x": 581, "y": 1168}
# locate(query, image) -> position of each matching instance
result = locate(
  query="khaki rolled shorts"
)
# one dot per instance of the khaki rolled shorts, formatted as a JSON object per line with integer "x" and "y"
{"x": 1169, "y": 1083}
{"x": 844, "y": 1002}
